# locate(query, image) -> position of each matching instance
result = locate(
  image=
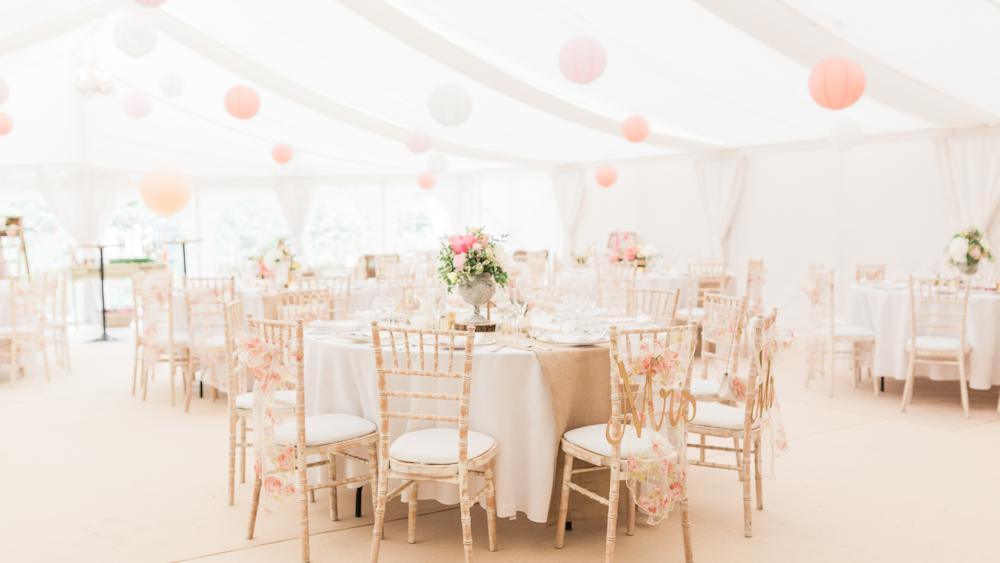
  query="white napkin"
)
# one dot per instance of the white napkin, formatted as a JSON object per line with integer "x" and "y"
{"x": 644, "y": 319}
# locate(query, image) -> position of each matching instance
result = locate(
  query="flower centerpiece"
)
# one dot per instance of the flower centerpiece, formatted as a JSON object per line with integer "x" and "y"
{"x": 637, "y": 254}
{"x": 476, "y": 264}
{"x": 967, "y": 248}
{"x": 277, "y": 264}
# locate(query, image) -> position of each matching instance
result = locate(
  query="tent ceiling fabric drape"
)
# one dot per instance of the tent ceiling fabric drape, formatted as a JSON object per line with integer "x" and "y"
{"x": 970, "y": 169}
{"x": 296, "y": 202}
{"x": 81, "y": 199}
{"x": 720, "y": 182}
{"x": 567, "y": 186}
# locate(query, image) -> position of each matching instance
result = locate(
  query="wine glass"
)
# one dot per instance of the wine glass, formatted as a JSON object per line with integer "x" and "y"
{"x": 434, "y": 303}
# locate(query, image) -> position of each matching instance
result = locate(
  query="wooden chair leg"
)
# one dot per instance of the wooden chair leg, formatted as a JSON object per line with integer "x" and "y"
{"x": 908, "y": 388}
{"x": 373, "y": 468}
{"x": 145, "y": 376}
{"x": 702, "y": 450}
{"x": 135, "y": 370}
{"x": 466, "y": 508}
{"x": 739, "y": 454}
{"x": 963, "y": 383}
{"x": 491, "y": 506}
{"x": 253, "y": 506}
{"x": 833, "y": 363}
{"x": 411, "y": 516}
{"x": 301, "y": 487}
{"x": 564, "y": 500}
{"x": 190, "y": 380}
{"x": 331, "y": 475}
{"x": 312, "y": 496}
{"x": 609, "y": 538}
{"x": 232, "y": 458}
{"x": 686, "y": 530}
{"x": 380, "y": 494}
{"x": 759, "y": 482}
{"x": 242, "y": 438}
{"x": 45, "y": 360}
{"x": 630, "y": 522}
{"x": 170, "y": 362}
{"x": 745, "y": 479}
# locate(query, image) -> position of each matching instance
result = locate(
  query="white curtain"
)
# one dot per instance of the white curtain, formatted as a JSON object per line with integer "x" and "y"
{"x": 720, "y": 183}
{"x": 567, "y": 184}
{"x": 82, "y": 200}
{"x": 970, "y": 169}
{"x": 296, "y": 202}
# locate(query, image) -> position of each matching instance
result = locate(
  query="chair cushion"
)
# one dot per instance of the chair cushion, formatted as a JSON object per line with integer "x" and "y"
{"x": 245, "y": 401}
{"x": 437, "y": 446}
{"x": 717, "y": 415}
{"x": 852, "y": 331}
{"x": 704, "y": 388}
{"x": 696, "y": 313}
{"x": 325, "y": 429}
{"x": 936, "y": 343}
{"x": 592, "y": 438}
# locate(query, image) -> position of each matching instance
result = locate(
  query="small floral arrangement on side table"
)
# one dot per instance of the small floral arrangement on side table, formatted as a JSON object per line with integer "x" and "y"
{"x": 967, "y": 248}
{"x": 639, "y": 254}
{"x": 276, "y": 264}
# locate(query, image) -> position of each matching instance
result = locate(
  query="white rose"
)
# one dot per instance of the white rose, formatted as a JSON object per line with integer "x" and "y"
{"x": 452, "y": 276}
{"x": 273, "y": 256}
{"x": 502, "y": 257}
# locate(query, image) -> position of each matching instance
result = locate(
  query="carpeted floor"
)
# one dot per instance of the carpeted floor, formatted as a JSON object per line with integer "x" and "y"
{"x": 90, "y": 473}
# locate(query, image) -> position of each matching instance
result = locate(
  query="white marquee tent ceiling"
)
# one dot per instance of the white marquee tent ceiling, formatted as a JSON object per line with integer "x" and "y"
{"x": 342, "y": 82}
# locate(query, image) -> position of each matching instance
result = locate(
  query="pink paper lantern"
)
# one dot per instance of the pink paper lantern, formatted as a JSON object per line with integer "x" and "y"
{"x": 242, "y": 102}
{"x": 282, "y": 153}
{"x": 426, "y": 180}
{"x": 836, "y": 82}
{"x": 635, "y": 128}
{"x": 137, "y": 104}
{"x": 606, "y": 175}
{"x": 165, "y": 191}
{"x": 6, "y": 124}
{"x": 149, "y": 3}
{"x": 418, "y": 141}
{"x": 582, "y": 59}
{"x": 3, "y": 90}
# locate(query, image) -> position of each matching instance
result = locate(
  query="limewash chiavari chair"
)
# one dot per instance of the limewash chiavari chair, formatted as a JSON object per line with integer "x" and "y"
{"x": 704, "y": 276}
{"x": 27, "y": 330}
{"x": 55, "y": 316}
{"x": 937, "y": 303}
{"x": 593, "y": 444}
{"x": 340, "y": 292}
{"x": 525, "y": 256}
{"x": 204, "y": 300}
{"x": 660, "y": 305}
{"x": 755, "y": 287}
{"x": 613, "y": 281}
{"x": 827, "y": 332}
{"x": 744, "y": 423}
{"x": 440, "y": 455}
{"x": 325, "y": 435}
{"x": 161, "y": 343}
{"x": 308, "y": 304}
{"x": 722, "y": 325}
{"x": 870, "y": 272}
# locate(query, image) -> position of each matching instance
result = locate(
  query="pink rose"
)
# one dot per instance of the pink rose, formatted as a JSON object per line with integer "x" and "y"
{"x": 459, "y": 261}
{"x": 975, "y": 252}
{"x": 614, "y": 257}
{"x": 630, "y": 252}
{"x": 462, "y": 243}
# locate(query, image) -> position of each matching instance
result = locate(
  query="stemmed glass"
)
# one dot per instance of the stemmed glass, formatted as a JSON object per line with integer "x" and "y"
{"x": 434, "y": 303}
{"x": 506, "y": 307}
{"x": 391, "y": 295}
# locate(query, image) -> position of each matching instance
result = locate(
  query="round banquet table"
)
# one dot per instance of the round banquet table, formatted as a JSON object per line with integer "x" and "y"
{"x": 887, "y": 312}
{"x": 263, "y": 305}
{"x": 669, "y": 281}
{"x": 510, "y": 401}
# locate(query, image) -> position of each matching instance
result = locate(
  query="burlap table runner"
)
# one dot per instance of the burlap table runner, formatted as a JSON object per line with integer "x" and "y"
{"x": 580, "y": 385}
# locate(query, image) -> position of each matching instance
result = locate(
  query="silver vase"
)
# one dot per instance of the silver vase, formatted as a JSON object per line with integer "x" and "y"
{"x": 476, "y": 291}
{"x": 968, "y": 269}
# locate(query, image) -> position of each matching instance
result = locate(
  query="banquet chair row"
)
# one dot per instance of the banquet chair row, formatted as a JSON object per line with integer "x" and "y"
{"x": 26, "y": 332}
{"x": 704, "y": 276}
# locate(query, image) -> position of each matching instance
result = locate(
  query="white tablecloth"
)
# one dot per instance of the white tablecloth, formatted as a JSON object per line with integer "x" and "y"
{"x": 669, "y": 281}
{"x": 887, "y": 312}
{"x": 510, "y": 402}
{"x": 253, "y": 304}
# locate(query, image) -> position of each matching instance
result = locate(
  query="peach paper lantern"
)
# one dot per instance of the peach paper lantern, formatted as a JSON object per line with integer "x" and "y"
{"x": 165, "y": 191}
{"x": 137, "y": 104}
{"x": 3, "y": 90}
{"x": 242, "y": 102}
{"x": 606, "y": 175}
{"x": 282, "y": 153}
{"x": 418, "y": 141}
{"x": 635, "y": 128}
{"x": 836, "y": 82}
{"x": 6, "y": 124}
{"x": 582, "y": 59}
{"x": 426, "y": 180}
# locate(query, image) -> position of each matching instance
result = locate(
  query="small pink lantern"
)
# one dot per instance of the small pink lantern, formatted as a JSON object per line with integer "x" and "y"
{"x": 635, "y": 128}
{"x": 6, "y": 124}
{"x": 165, "y": 191}
{"x": 242, "y": 102}
{"x": 282, "y": 153}
{"x": 137, "y": 104}
{"x": 582, "y": 59}
{"x": 418, "y": 141}
{"x": 606, "y": 175}
{"x": 426, "y": 180}
{"x": 836, "y": 82}
{"x": 3, "y": 90}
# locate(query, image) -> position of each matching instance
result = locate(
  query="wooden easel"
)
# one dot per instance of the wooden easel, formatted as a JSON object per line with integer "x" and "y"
{"x": 14, "y": 228}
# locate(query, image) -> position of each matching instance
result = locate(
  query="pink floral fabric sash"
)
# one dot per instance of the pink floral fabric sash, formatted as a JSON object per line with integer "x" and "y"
{"x": 207, "y": 331}
{"x": 154, "y": 291}
{"x": 755, "y": 291}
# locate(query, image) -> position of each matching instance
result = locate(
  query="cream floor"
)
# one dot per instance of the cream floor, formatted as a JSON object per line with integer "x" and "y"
{"x": 90, "y": 473}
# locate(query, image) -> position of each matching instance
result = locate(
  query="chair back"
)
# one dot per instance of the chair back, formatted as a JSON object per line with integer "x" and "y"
{"x": 28, "y": 297}
{"x": 760, "y": 383}
{"x": 755, "y": 287}
{"x": 614, "y": 280}
{"x": 939, "y": 304}
{"x": 339, "y": 288}
{"x": 705, "y": 276}
{"x": 658, "y": 304}
{"x": 870, "y": 272}
{"x": 440, "y": 362}
{"x": 307, "y": 304}
{"x": 725, "y": 316}
{"x": 235, "y": 325}
{"x": 205, "y": 299}
{"x": 820, "y": 293}
{"x": 218, "y": 290}
{"x": 156, "y": 307}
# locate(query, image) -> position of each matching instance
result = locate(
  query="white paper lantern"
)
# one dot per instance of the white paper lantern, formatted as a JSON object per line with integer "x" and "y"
{"x": 450, "y": 105}
{"x": 171, "y": 85}
{"x": 137, "y": 104}
{"x": 136, "y": 35}
{"x": 418, "y": 141}
{"x": 845, "y": 134}
{"x": 437, "y": 163}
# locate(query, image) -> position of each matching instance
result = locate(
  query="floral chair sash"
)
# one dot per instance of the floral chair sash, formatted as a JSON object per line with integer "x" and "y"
{"x": 755, "y": 290}
{"x": 273, "y": 368}
{"x": 29, "y": 303}
{"x": 818, "y": 292}
{"x": 154, "y": 291}
{"x": 661, "y": 408}
{"x": 206, "y": 325}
